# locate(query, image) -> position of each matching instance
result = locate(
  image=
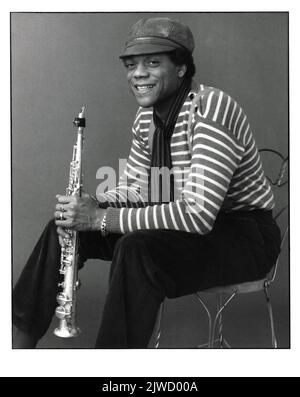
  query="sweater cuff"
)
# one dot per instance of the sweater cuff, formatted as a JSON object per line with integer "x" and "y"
{"x": 102, "y": 201}
{"x": 113, "y": 220}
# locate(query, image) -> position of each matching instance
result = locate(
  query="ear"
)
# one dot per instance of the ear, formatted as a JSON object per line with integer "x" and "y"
{"x": 182, "y": 70}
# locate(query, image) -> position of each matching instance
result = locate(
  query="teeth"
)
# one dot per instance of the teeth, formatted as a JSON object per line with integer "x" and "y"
{"x": 144, "y": 87}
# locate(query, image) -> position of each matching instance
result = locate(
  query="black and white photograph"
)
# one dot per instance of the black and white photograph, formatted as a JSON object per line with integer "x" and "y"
{"x": 195, "y": 93}
{"x": 150, "y": 191}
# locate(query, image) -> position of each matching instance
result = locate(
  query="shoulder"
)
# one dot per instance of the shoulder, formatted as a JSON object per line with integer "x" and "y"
{"x": 217, "y": 106}
{"x": 212, "y": 101}
{"x": 142, "y": 118}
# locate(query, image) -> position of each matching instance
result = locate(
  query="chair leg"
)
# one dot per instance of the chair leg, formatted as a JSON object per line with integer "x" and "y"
{"x": 269, "y": 304}
{"x": 218, "y": 316}
{"x": 222, "y": 341}
{"x": 219, "y": 305}
{"x": 209, "y": 321}
{"x": 158, "y": 329}
{"x": 211, "y": 333}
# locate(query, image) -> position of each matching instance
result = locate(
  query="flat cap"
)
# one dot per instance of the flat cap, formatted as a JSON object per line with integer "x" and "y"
{"x": 156, "y": 35}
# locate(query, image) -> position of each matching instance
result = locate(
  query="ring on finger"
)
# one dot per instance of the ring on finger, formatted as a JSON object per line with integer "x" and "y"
{"x": 61, "y": 216}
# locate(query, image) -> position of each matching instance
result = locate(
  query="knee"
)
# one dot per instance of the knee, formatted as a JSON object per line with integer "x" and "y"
{"x": 51, "y": 229}
{"x": 51, "y": 224}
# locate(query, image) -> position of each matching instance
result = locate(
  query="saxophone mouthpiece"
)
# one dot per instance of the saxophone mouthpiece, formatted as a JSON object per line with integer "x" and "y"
{"x": 80, "y": 120}
{"x": 82, "y": 113}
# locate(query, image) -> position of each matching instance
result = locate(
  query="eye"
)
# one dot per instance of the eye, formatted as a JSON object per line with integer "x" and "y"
{"x": 129, "y": 65}
{"x": 153, "y": 63}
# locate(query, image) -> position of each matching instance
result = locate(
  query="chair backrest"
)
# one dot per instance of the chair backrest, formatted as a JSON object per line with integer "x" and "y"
{"x": 278, "y": 177}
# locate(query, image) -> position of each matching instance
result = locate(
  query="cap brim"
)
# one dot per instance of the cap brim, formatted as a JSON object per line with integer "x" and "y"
{"x": 146, "y": 48}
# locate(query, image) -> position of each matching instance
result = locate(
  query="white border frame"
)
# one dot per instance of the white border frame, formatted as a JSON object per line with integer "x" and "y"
{"x": 108, "y": 363}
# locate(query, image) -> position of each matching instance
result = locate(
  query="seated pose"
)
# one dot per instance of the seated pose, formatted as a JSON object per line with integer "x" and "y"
{"x": 192, "y": 210}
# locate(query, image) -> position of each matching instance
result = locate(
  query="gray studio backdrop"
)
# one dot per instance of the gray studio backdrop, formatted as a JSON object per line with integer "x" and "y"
{"x": 62, "y": 61}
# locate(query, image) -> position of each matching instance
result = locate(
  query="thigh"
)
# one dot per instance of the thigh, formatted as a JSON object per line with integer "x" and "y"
{"x": 232, "y": 252}
{"x": 92, "y": 245}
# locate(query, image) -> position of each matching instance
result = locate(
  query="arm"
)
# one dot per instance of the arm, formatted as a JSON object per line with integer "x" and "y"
{"x": 86, "y": 213}
{"x": 216, "y": 153}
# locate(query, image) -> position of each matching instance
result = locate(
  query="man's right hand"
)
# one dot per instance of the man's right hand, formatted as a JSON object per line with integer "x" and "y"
{"x": 61, "y": 235}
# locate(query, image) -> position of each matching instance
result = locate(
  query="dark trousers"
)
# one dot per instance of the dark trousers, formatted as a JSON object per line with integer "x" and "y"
{"x": 146, "y": 267}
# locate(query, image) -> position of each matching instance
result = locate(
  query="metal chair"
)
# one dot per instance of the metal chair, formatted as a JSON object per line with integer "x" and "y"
{"x": 231, "y": 291}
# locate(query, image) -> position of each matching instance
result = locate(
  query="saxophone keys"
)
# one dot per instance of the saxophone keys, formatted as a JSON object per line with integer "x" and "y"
{"x": 60, "y": 312}
{"x": 62, "y": 299}
{"x": 68, "y": 261}
{"x": 77, "y": 285}
{"x": 62, "y": 269}
{"x": 67, "y": 241}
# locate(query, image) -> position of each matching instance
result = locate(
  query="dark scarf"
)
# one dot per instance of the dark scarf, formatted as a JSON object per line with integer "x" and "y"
{"x": 161, "y": 151}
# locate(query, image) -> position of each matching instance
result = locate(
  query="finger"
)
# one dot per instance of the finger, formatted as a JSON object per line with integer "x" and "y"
{"x": 68, "y": 223}
{"x": 61, "y": 232}
{"x": 61, "y": 241}
{"x": 67, "y": 213}
{"x": 59, "y": 215}
{"x": 64, "y": 222}
{"x": 64, "y": 199}
{"x": 60, "y": 207}
{"x": 65, "y": 209}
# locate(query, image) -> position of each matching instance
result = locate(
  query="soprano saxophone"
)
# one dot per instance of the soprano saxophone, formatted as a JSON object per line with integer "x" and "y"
{"x": 66, "y": 311}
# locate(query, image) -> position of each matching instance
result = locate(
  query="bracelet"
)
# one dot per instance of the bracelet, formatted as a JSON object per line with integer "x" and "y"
{"x": 103, "y": 227}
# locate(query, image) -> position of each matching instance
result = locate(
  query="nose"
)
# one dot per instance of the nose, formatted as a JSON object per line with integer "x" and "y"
{"x": 140, "y": 70}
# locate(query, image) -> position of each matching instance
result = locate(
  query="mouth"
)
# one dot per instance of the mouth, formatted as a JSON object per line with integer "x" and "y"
{"x": 144, "y": 88}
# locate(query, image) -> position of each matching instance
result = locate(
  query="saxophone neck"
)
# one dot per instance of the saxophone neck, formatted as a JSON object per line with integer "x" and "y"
{"x": 79, "y": 121}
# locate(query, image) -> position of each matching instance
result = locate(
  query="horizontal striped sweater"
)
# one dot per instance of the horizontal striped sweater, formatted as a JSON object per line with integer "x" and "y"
{"x": 219, "y": 165}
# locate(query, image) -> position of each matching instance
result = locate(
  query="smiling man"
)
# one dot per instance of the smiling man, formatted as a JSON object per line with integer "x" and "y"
{"x": 207, "y": 222}
{"x": 154, "y": 80}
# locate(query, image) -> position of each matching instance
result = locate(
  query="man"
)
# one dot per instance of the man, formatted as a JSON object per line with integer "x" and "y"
{"x": 192, "y": 210}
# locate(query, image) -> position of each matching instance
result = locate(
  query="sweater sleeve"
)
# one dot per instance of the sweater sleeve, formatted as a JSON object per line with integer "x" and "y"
{"x": 216, "y": 153}
{"x": 131, "y": 190}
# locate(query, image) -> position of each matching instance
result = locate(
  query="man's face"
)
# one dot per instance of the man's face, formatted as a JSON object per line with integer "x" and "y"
{"x": 153, "y": 79}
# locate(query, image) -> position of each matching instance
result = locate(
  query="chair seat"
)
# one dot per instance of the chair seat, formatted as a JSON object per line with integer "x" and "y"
{"x": 241, "y": 288}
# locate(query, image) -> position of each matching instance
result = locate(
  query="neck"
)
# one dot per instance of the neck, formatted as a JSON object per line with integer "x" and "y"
{"x": 162, "y": 109}
{"x": 162, "y": 112}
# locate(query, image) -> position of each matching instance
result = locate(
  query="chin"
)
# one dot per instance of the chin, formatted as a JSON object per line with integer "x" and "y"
{"x": 145, "y": 102}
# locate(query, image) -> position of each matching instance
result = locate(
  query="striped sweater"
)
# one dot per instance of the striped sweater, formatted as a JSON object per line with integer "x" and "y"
{"x": 219, "y": 165}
